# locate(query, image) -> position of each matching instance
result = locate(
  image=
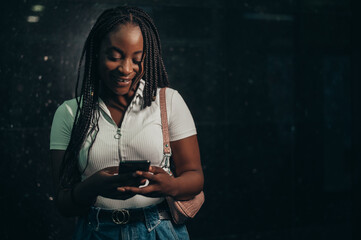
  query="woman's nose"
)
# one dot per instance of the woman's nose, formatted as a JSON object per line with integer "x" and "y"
{"x": 125, "y": 67}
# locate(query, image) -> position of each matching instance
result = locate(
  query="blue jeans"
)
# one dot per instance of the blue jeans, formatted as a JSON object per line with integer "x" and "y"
{"x": 89, "y": 228}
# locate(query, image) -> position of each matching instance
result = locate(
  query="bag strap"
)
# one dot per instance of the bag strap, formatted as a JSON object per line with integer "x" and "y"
{"x": 164, "y": 120}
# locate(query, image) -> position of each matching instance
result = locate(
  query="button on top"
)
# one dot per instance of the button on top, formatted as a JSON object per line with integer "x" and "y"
{"x": 117, "y": 135}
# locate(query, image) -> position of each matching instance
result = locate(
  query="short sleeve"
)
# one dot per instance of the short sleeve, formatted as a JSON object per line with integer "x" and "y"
{"x": 62, "y": 126}
{"x": 180, "y": 120}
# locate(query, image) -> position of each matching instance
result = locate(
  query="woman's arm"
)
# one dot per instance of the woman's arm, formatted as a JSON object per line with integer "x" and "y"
{"x": 188, "y": 180}
{"x": 189, "y": 175}
{"x": 63, "y": 199}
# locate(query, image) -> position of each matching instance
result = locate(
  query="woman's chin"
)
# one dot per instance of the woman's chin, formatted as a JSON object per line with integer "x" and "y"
{"x": 121, "y": 91}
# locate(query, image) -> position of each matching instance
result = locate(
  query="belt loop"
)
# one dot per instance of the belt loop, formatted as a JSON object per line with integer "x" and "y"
{"x": 151, "y": 217}
{"x": 97, "y": 218}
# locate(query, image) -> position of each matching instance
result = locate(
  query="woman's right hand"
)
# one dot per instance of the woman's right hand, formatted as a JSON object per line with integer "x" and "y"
{"x": 105, "y": 183}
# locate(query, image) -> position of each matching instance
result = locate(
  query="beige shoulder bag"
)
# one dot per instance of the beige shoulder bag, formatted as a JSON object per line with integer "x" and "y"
{"x": 180, "y": 210}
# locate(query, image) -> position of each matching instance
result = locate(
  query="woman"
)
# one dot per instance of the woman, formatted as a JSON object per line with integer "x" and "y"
{"x": 117, "y": 118}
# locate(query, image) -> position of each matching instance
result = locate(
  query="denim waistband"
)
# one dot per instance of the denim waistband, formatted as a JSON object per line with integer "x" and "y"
{"x": 151, "y": 228}
{"x": 151, "y": 216}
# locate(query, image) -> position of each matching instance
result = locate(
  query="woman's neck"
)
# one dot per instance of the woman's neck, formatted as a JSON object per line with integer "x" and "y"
{"x": 120, "y": 102}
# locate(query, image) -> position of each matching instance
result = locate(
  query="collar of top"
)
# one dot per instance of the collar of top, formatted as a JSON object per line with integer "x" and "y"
{"x": 140, "y": 89}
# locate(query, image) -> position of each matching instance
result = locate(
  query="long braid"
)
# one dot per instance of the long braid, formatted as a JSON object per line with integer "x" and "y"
{"x": 87, "y": 114}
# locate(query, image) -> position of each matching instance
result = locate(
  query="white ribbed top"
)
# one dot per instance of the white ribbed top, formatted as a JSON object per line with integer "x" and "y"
{"x": 138, "y": 138}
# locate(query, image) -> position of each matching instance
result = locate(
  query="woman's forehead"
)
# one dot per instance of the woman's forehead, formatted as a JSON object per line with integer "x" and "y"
{"x": 125, "y": 35}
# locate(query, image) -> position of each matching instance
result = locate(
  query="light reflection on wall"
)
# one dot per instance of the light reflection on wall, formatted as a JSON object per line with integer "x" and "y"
{"x": 33, "y": 19}
{"x": 37, "y": 9}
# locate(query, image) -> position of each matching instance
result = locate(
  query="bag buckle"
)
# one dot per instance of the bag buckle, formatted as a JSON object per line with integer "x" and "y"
{"x": 165, "y": 164}
{"x": 125, "y": 216}
{"x": 168, "y": 155}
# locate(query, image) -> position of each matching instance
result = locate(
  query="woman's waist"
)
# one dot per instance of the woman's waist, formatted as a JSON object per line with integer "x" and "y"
{"x": 150, "y": 215}
{"x": 138, "y": 201}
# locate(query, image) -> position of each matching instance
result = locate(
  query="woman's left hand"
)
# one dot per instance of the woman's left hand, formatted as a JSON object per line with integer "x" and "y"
{"x": 160, "y": 183}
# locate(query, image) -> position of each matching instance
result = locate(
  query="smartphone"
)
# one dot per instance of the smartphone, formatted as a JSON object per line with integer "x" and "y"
{"x": 134, "y": 165}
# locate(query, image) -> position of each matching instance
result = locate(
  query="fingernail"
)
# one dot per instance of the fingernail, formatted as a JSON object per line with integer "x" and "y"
{"x": 138, "y": 172}
{"x": 150, "y": 168}
{"x": 121, "y": 189}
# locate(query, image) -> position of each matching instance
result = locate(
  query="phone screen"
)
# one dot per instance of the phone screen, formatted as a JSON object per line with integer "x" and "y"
{"x": 133, "y": 165}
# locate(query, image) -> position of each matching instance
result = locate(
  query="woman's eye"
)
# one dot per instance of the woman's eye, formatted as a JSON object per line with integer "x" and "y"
{"x": 137, "y": 61}
{"x": 113, "y": 58}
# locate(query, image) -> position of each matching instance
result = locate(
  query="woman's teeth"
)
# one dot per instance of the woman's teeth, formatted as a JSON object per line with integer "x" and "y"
{"x": 122, "y": 80}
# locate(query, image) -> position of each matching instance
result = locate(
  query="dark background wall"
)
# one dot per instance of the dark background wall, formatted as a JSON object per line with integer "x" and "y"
{"x": 273, "y": 87}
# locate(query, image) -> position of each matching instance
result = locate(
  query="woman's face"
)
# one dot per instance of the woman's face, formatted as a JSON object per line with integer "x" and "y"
{"x": 120, "y": 58}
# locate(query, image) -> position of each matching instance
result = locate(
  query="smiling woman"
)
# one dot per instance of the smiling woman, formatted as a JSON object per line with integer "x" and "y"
{"x": 117, "y": 118}
{"x": 120, "y": 59}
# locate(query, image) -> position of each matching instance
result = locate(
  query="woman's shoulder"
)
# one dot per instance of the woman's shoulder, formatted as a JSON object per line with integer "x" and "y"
{"x": 71, "y": 103}
{"x": 174, "y": 100}
{"x": 170, "y": 93}
{"x": 68, "y": 107}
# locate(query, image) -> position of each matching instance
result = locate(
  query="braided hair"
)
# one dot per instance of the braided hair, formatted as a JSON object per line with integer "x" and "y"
{"x": 86, "y": 118}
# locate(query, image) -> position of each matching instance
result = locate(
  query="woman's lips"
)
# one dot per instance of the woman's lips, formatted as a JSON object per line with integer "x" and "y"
{"x": 123, "y": 81}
